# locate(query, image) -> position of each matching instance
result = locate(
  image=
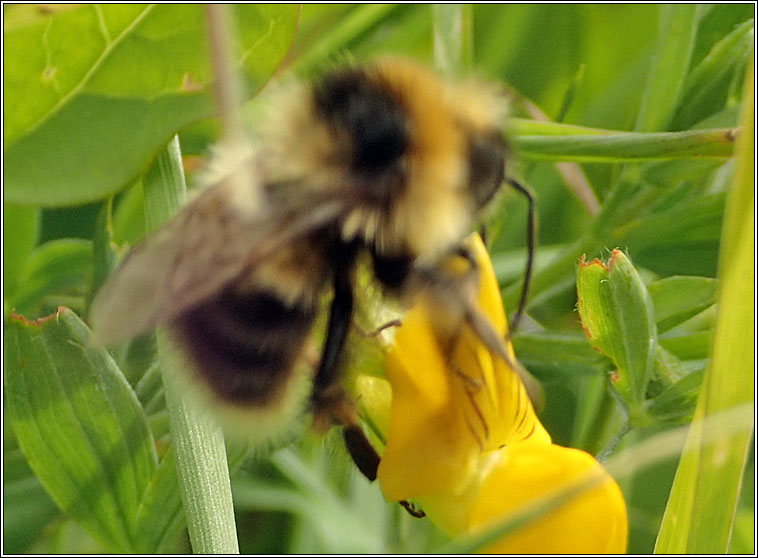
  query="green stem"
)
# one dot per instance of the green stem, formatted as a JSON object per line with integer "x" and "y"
{"x": 614, "y": 147}
{"x": 201, "y": 464}
{"x": 614, "y": 442}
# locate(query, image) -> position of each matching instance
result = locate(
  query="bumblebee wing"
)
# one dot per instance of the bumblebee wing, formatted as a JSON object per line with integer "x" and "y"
{"x": 215, "y": 239}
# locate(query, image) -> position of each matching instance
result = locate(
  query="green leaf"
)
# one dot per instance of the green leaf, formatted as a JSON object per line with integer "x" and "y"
{"x": 56, "y": 268}
{"x": 93, "y": 93}
{"x": 79, "y": 425}
{"x": 617, "y": 316}
{"x": 700, "y": 511}
{"x": 20, "y": 231}
{"x": 160, "y": 517}
{"x": 678, "y": 298}
{"x": 677, "y": 403}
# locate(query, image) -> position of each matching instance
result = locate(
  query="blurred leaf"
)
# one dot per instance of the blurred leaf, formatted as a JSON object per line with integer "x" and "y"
{"x": 321, "y": 505}
{"x": 509, "y": 266}
{"x": 700, "y": 510}
{"x": 149, "y": 387}
{"x": 667, "y": 370}
{"x": 687, "y": 346}
{"x": 56, "y": 268}
{"x": 79, "y": 425}
{"x": 705, "y": 88}
{"x": 129, "y": 215}
{"x": 68, "y": 222}
{"x": 568, "y": 99}
{"x": 453, "y": 50}
{"x": 677, "y": 299}
{"x": 665, "y": 173}
{"x": 105, "y": 254}
{"x": 353, "y": 25}
{"x": 20, "y": 231}
{"x": 716, "y": 22}
{"x": 115, "y": 79}
{"x": 682, "y": 240}
{"x": 743, "y": 535}
{"x": 407, "y": 32}
{"x": 558, "y": 354}
{"x": 28, "y": 508}
{"x": 137, "y": 357}
{"x": 67, "y": 537}
{"x": 669, "y": 67}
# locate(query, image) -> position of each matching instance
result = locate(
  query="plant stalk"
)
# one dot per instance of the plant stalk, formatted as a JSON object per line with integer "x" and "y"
{"x": 201, "y": 463}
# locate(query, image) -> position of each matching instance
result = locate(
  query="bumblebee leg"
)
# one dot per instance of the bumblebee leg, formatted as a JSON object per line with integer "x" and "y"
{"x": 530, "y": 227}
{"x": 367, "y": 460}
{"x": 361, "y": 451}
{"x": 330, "y": 400}
{"x": 328, "y": 396}
{"x": 378, "y": 330}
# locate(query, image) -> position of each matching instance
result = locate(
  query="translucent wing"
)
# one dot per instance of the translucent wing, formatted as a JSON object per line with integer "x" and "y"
{"x": 214, "y": 240}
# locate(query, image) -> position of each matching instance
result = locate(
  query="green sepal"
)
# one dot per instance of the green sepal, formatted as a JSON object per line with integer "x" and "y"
{"x": 618, "y": 318}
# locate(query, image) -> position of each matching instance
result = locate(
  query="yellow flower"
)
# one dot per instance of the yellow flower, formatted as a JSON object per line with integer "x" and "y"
{"x": 464, "y": 442}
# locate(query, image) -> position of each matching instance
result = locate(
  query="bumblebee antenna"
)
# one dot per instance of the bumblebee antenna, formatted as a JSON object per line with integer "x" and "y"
{"x": 530, "y": 226}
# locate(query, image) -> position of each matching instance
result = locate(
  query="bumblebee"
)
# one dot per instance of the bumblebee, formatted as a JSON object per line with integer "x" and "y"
{"x": 384, "y": 162}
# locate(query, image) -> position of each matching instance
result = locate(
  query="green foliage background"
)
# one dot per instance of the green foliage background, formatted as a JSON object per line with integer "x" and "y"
{"x": 92, "y": 95}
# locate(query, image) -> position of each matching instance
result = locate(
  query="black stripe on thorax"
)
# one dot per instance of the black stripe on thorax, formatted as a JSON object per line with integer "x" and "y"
{"x": 356, "y": 105}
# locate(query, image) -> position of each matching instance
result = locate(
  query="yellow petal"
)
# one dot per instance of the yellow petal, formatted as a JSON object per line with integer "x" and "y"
{"x": 593, "y": 522}
{"x": 428, "y": 445}
{"x": 465, "y": 443}
{"x": 452, "y": 400}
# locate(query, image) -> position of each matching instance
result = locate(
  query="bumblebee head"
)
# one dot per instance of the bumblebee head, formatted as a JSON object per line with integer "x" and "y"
{"x": 418, "y": 156}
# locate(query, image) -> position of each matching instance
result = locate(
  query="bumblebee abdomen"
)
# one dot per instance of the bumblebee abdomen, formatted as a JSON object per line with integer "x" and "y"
{"x": 244, "y": 346}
